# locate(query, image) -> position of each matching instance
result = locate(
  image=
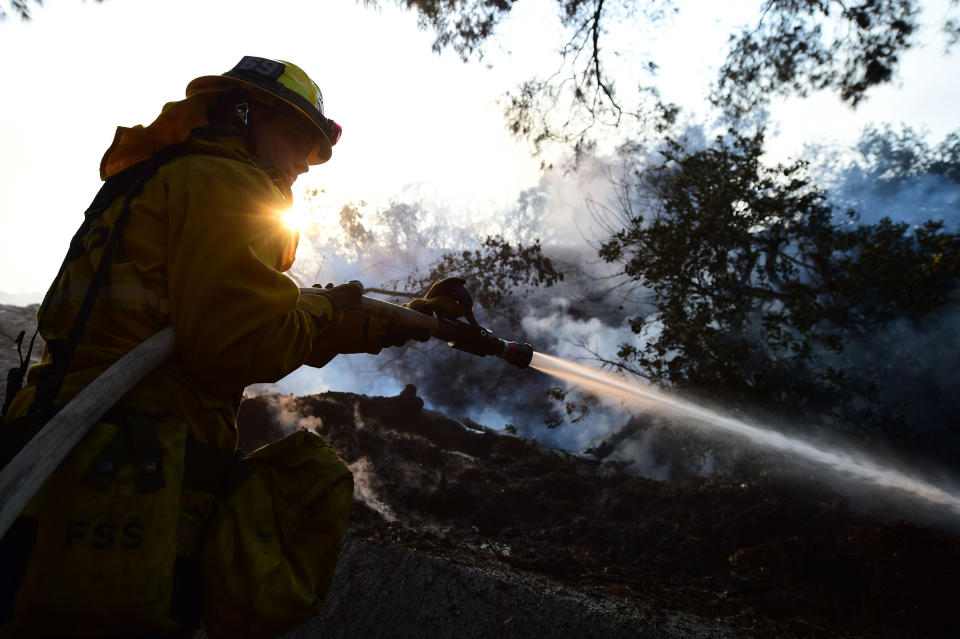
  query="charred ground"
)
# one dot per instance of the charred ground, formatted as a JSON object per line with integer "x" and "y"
{"x": 770, "y": 556}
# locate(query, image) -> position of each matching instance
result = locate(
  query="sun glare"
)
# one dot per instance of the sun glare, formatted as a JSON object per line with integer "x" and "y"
{"x": 299, "y": 216}
{"x": 313, "y": 215}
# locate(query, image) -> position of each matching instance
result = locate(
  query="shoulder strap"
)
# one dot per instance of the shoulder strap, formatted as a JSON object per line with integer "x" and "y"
{"x": 107, "y": 193}
{"x": 52, "y": 376}
{"x": 128, "y": 184}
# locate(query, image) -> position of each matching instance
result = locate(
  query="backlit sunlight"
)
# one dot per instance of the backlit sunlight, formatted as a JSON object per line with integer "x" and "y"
{"x": 313, "y": 213}
{"x": 299, "y": 216}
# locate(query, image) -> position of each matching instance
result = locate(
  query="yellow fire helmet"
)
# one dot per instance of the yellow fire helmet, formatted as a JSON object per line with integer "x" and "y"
{"x": 283, "y": 81}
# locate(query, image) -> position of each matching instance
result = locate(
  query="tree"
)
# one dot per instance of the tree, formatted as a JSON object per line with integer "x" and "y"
{"x": 894, "y": 172}
{"x": 581, "y": 84}
{"x": 19, "y": 8}
{"x": 796, "y": 46}
{"x": 893, "y": 157}
{"x": 501, "y": 278}
{"x": 799, "y": 46}
{"x": 494, "y": 271}
{"x": 759, "y": 284}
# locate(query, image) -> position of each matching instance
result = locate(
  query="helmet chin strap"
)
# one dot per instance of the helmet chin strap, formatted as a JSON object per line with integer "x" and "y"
{"x": 276, "y": 176}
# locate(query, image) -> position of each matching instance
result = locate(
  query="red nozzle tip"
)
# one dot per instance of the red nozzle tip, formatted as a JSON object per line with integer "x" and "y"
{"x": 517, "y": 353}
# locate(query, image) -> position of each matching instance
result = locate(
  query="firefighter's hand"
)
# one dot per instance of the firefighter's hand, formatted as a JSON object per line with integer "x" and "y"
{"x": 358, "y": 332}
{"x": 447, "y": 298}
{"x": 398, "y": 334}
{"x": 344, "y": 297}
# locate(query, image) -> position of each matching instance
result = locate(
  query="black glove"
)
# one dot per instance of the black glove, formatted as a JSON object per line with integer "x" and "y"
{"x": 398, "y": 335}
{"x": 345, "y": 297}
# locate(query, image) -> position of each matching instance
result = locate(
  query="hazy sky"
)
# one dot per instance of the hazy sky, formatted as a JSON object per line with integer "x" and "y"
{"x": 415, "y": 124}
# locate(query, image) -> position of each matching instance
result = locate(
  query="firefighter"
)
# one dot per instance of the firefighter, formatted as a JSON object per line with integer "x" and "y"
{"x": 153, "y": 521}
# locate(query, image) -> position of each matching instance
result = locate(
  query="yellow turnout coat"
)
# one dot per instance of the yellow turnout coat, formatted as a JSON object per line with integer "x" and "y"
{"x": 204, "y": 249}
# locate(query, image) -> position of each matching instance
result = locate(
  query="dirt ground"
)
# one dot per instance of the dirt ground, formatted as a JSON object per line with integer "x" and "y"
{"x": 768, "y": 557}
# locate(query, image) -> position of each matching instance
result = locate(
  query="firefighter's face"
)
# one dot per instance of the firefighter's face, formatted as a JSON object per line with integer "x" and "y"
{"x": 283, "y": 141}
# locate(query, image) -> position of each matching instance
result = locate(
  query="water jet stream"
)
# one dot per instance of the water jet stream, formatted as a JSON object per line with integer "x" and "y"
{"x": 863, "y": 469}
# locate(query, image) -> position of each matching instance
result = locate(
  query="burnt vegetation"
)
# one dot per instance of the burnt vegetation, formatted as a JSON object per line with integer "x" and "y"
{"x": 773, "y": 556}
{"x": 758, "y": 287}
{"x": 825, "y": 301}
{"x": 820, "y": 301}
{"x": 746, "y": 284}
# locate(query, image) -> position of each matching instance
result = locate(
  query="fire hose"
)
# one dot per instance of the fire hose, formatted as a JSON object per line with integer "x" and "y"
{"x": 30, "y": 468}
{"x": 467, "y": 336}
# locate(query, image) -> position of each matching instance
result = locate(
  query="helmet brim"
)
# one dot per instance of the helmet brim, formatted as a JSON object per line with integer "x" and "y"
{"x": 322, "y": 149}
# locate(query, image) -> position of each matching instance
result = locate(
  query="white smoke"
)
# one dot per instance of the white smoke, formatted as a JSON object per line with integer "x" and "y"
{"x": 913, "y": 364}
{"x": 556, "y": 211}
{"x": 890, "y": 173}
{"x": 560, "y": 334}
{"x": 582, "y": 318}
{"x": 367, "y": 489}
{"x": 358, "y": 373}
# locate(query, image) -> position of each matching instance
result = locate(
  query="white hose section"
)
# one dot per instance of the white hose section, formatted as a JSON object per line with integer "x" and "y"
{"x": 27, "y": 472}
{"x": 390, "y": 312}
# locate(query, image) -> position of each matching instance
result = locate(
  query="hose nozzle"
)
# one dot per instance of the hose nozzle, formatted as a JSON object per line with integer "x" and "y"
{"x": 470, "y": 338}
{"x": 517, "y": 353}
{"x": 482, "y": 341}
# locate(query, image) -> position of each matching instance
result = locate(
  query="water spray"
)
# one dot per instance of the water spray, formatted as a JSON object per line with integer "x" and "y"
{"x": 470, "y": 337}
{"x": 853, "y": 465}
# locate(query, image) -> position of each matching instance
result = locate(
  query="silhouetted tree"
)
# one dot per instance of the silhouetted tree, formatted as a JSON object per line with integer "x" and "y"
{"x": 796, "y": 46}
{"x": 19, "y": 8}
{"x": 897, "y": 156}
{"x": 495, "y": 272}
{"x": 759, "y": 284}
